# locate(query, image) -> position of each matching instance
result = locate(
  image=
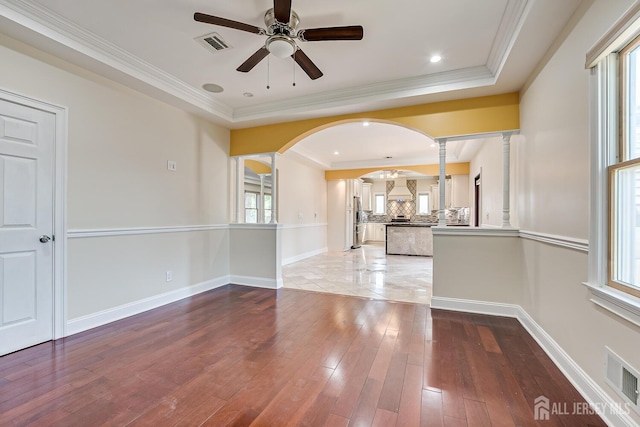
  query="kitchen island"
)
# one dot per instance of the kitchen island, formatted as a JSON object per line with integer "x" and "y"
{"x": 409, "y": 238}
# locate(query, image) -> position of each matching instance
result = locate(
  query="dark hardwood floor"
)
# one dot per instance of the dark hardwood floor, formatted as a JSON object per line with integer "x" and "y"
{"x": 242, "y": 356}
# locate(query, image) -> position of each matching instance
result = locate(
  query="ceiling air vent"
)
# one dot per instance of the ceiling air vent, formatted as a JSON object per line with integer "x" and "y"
{"x": 214, "y": 42}
{"x": 623, "y": 378}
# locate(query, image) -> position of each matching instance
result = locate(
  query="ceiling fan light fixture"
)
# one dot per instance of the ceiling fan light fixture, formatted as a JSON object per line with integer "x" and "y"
{"x": 281, "y": 46}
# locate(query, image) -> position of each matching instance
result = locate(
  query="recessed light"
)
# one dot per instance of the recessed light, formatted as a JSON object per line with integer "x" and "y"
{"x": 336, "y": 153}
{"x": 213, "y": 88}
{"x": 247, "y": 95}
{"x": 436, "y": 58}
{"x": 365, "y": 123}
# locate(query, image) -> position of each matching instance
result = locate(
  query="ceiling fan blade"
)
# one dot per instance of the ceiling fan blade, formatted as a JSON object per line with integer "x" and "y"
{"x": 306, "y": 64}
{"x": 216, "y": 20}
{"x": 253, "y": 60}
{"x": 282, "y": 10}
{"x": 353, "y": 32}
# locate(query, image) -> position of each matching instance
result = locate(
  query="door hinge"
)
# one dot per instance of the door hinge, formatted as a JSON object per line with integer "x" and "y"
{"x": 53, "y": 237}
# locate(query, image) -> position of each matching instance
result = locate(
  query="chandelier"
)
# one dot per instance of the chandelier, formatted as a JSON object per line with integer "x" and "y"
{"x": 390, "y": 174}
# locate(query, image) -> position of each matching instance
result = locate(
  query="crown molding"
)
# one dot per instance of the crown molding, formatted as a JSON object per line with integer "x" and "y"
{"x": 465, "y": 78}
{"x": 62, "y": 31}
{"x": 65, "y": 33}
{"x": 512, "y": 21}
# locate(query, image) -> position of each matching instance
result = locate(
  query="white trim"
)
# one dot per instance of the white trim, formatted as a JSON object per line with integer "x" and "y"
{"x": 256, "y": 282}
{"x": 510, "y": 26}
{"x": 621, "y": 33}
{"x": 585, "y": 385}
{"x": 109, "y": 232}
{"x": 292, "y": 226}
{"x": 472, "y": 306}
{"x": 302, "y": 256}
{"x": 251, "y": 226}
{"x": 103, "y": 317}
{"x": 475, "y": 231}
{"x": 62, "y": 31}
{"x": 465, "y": 78}
{"x": 59, "y": 204}
{"x": 620, "y": 303}
{"x": 552, "y": 239}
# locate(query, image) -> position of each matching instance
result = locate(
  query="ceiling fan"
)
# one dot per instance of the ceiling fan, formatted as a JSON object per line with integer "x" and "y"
{"x": 282, "y": 31}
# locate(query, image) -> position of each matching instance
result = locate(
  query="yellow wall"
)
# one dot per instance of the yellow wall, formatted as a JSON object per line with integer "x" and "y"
{"x": 438, "y": 120}
{"x": 258, "y": 167}
{"x": 431, "y": 170}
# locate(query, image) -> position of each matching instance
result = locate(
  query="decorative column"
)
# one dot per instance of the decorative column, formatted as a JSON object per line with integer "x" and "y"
{"x": 260, "y": 203}
{"x": 239, "y": 190}
{"x": 506, "y": 168}
{"x": 274, "y": 189}
{"x": 442, "y": 219}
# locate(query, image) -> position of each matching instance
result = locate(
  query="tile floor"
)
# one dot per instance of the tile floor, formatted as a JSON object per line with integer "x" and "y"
{"x": 365, "y": 272}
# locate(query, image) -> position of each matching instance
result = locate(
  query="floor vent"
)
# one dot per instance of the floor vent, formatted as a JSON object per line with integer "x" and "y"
{"x": 623, "y": 378}
{"x": 213, "y": 42}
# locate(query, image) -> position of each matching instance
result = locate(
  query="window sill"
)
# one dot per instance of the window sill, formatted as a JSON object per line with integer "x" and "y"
{"x": 617, "y": 302}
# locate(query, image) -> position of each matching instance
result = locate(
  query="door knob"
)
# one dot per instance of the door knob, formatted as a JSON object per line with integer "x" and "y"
{"x": 44, "y": 238}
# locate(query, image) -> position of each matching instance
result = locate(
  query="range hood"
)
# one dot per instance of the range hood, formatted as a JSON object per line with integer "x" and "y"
{"x": 400, "y": 191}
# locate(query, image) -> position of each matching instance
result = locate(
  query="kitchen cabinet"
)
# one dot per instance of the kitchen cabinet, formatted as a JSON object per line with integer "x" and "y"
{"x": 366, "y": 196}
{"x": 368, "y": 234}
{"x": 375, "y": 232}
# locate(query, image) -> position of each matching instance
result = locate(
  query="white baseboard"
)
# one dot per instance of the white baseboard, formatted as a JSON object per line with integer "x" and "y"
{"x": 100, "y": 318}
{"x": 256, "y": 282}
{"x": 305, "y": 255}
{"x": 479, "y": 307}
{"x": 586, "y": 386}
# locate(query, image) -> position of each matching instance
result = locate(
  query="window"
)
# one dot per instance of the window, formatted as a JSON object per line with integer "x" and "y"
{"x": 267, "y": 208}
{"x": 252, "y": 210}
{"x": 624, "y": 179}
{"x": 614, "y": 242}
{"x": 251, "y": 207}
{"x": 380, "y": 206}
{"x": 423, "y": 204}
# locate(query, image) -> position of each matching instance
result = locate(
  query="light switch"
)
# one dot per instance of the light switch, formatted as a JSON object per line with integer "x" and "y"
{"x": 171, "y": 165}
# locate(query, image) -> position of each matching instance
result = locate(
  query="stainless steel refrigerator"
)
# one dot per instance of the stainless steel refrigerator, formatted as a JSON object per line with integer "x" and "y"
{"x": 358, "y": 223}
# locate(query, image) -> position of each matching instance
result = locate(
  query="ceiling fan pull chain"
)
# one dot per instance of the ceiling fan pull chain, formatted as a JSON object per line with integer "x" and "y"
{"x": 294, "y": 67}
{"x": 268, "y": 63}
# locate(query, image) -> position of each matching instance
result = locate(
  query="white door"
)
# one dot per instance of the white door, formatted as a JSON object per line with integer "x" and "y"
{"x": 27, "y": 138}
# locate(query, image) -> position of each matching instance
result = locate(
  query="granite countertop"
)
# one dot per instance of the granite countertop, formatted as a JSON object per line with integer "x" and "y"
{"x": 421, "y": 224}
{"x": 411, "y": 224}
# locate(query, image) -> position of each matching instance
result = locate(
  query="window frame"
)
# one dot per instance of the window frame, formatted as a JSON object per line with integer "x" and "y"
{"x": 619, "y": 159}
{"x": 419, "y": 209}
{"x": 605, "y": 128}
{"x": 375, "y": 203}
{"x": 257, "y": 208}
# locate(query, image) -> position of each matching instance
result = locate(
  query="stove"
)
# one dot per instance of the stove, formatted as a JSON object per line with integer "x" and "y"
{"x": 401, "y": 218}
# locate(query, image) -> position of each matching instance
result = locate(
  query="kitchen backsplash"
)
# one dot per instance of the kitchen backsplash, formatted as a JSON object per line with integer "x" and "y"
{"x": 408, "y": 209}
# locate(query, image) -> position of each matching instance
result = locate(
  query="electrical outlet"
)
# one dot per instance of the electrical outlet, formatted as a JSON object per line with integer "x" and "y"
{"x": 172, "y": 166}
{"x": 300, "y": 215}
{"x": 169, "y": 276}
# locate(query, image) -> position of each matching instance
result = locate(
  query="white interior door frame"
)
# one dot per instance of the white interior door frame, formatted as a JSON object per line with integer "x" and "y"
{"x": 59, "y": 205}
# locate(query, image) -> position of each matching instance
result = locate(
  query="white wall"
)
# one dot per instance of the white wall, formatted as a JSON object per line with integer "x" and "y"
{"x": 554, "y": 173}
{"x": 552, "y": 180}
{"x": 488, "y": 162}
{"x": 118, "y": 146}
{"x": 337, "y": 215}
{"x": 302, "y": 199}
{"x": 460, "y": 191}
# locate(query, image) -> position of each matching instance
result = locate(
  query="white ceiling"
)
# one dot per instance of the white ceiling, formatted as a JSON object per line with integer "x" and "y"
{"x": 487, "y": 47}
